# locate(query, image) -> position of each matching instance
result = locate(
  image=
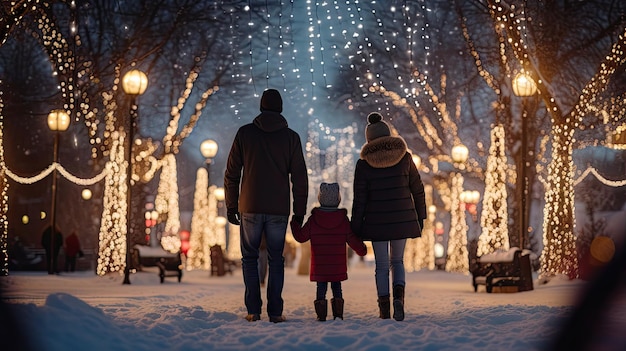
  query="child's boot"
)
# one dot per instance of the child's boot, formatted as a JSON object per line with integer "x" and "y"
{"x": 337, "y": 305}
{"x": 321, "y": 309}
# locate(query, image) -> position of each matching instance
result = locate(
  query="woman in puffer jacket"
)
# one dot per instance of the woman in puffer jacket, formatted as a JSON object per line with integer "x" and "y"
{"x": 389, "y": 206}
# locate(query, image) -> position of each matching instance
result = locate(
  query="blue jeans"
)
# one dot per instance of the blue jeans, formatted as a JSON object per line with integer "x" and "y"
{"x": 253, "y": 226}
{"x": 386, "y": 261}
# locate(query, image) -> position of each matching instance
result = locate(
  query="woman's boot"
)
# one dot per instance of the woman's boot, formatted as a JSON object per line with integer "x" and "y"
{"x": 337, "y": 305}
{"x": 398, "y": 302}
{"x": 321, "y": 309}
{"x": 384, "y": 306}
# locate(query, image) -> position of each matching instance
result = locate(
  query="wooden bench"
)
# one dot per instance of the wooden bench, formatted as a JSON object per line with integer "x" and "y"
{"x": 169, "y": 264}
{"x": 220, "y": 264}
{"x": 503, "y": 271}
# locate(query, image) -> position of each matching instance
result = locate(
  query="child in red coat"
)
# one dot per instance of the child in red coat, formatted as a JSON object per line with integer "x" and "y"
{"x": 328, "y": 228}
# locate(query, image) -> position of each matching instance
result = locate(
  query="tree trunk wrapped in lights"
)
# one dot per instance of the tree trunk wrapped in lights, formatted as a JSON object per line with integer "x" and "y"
{"x": 458, "y": 256}
{"x": 196, "y": 256}
{"x": 559, "y": 252}
{"x": 494, "y": 217}
{"x": 166, "y": 201}
{"x": 112, "y": 241}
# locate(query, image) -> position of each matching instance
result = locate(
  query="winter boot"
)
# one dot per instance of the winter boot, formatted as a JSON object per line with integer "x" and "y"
{"x": 384, "y": 306}
{"x": 321, "y": 309}
{"x": 337, "y": 305}
{"x": 398, "y": 302}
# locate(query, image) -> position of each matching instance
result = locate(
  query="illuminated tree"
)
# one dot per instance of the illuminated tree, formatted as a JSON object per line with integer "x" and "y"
{"x": 559, "y": 254}
{"x": 493, "y": 222}
{"x": 196, "y": 256}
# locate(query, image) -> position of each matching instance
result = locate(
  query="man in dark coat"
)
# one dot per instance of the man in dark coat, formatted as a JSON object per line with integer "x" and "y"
{"x": 389, "y": 206}
{"x": 265, "y": 168}
{"x": 52, "y": 245}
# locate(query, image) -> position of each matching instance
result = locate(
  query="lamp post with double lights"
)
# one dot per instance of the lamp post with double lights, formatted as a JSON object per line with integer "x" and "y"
{"x": 58, "y": 121}
{"x": 134, "y": 83}
{"x": 523, "y": 86}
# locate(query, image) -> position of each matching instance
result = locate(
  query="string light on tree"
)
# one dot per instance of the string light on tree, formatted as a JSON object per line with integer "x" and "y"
{"x": 494, "y": 216}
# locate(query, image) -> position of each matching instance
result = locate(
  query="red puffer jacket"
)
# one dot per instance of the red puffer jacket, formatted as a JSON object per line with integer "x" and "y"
{"x": 329, "y": 231}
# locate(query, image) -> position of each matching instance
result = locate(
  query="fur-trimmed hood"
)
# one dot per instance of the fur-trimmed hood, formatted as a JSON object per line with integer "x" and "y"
{"x": 384, "y": 151}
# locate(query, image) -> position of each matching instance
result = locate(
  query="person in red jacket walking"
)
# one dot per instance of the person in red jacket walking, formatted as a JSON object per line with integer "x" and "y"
{"x": 72, "y": 250}
{"x": 328, "y": 228}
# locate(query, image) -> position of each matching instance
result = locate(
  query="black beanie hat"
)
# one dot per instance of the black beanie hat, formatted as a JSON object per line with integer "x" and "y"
{"x": 271, "y": 101}
{"x": 376, "y": 127}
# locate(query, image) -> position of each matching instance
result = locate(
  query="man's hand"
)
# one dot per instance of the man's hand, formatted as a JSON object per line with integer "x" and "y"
{"x": 234, "y": 217}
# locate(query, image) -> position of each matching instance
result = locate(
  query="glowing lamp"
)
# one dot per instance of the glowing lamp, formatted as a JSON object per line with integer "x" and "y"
{"x": 58, "y": 120}
{"x": 221, "y": 221}
{"x": 86, "y": 194}
{"x": 219, "y": 194}
{"x": 439, "y": 250}
{"x": 524, "y": 85}
{"x": 208, "y": 148}
{"x": 459, "y": 153}
{"x": 134, "y": 82}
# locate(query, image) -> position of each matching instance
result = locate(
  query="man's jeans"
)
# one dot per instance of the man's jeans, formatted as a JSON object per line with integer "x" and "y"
{"x": 253, "y": 225}
{"x": 384, "y": 263}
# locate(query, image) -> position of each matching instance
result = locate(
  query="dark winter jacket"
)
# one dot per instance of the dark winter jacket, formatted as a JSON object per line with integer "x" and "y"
{"x": 266, "y": 154}
{"x": 329, "y": 231}
{"x": 58, "y": 240}
{"x": 389, "y": 201}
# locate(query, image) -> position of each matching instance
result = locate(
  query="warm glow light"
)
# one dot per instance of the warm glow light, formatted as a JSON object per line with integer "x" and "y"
{"x": 439, "y": 250}
{"x": 86, "y": 194}
{"x": 25, "y": 219}
{"x": 494, "y": 215}
{"x": 135, "y": 82}
{"x": 602, "y": 249}
{"x": 58, "y": 120}
{"x": 417, "y": 160}
{"x": 208, "y": 148}
{"x": 524, "y": 85}
{"x": 219, "y": 194}
{"x": 459, "y": 153}
{"x": 221, "y": 221}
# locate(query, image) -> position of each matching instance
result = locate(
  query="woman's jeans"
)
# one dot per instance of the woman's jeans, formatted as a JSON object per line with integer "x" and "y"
{"x": 253, "y": 226}
{"x": 389, "y": 255}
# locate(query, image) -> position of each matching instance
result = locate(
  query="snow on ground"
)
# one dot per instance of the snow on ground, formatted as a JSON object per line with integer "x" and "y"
{"x": 82, "y": 311}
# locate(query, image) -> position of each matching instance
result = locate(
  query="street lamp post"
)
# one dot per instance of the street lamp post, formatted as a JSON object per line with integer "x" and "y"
{"x": 523, "y": 86}
{"x": 208, "y": 149}
{"x": 58, "y": 121}
{"x": 134, "y": 84}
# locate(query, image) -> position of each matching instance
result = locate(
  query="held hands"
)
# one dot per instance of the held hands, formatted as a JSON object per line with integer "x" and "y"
{"x": 233, "y": 217}
{"x": 298, "y": 219}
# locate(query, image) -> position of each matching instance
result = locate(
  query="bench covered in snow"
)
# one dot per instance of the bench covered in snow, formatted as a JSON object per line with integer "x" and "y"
{"x": 509, "y": 271}
{"x": 169, "y": 264}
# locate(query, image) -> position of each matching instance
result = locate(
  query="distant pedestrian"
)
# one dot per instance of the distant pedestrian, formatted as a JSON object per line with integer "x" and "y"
{"x": 52, "y": 245}
{"x": 328, "y": 228}
{"x": 389, "y": 206}
{"x": 265, "y": 170}
{"x": 72, "y": 251}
